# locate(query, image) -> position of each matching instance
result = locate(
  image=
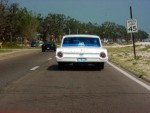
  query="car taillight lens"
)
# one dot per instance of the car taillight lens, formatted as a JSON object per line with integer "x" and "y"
{"x": 102, "y": 55}
{"x": 60, "y": 54}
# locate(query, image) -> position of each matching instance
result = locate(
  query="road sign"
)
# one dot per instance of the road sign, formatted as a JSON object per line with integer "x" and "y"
{"x": 132, "y": 26}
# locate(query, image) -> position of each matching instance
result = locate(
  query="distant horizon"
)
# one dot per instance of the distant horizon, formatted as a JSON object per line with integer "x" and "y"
{"x": 94, "y": 11}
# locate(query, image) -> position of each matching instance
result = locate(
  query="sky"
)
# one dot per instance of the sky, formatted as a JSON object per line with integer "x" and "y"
{"x": 95, "y": 11}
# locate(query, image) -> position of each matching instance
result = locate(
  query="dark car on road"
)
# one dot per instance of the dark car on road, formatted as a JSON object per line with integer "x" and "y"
{"x": 48, "y": 46}
{"x": 33, "y": 43}
{"x": 36, "y": 43}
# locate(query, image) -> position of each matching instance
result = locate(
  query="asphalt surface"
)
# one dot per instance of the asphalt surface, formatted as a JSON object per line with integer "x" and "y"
{"x": 32, "y": 83}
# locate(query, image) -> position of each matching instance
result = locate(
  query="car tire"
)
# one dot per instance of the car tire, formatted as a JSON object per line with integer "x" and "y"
{"x": 43, "y": 50}
{"x": 60, "y": 66}
{"x": 101, "y": 66}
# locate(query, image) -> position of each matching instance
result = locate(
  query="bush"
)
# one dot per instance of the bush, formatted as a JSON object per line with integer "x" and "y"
{"x": 10, "y": 45}
{"x": 138, "y": 57}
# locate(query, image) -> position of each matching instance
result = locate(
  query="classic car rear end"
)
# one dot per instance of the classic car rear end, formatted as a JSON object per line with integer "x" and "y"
{"x": 81, "y": 49}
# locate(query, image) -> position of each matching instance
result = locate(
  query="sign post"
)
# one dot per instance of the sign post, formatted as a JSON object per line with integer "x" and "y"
{"x": 132, "y": 28}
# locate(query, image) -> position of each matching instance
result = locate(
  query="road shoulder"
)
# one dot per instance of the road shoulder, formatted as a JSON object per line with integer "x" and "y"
{"x": 15, "y": 52}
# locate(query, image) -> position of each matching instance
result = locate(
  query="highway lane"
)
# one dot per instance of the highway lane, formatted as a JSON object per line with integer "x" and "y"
{"x": 74, "y": 90}
{"x": 16, "y": 65}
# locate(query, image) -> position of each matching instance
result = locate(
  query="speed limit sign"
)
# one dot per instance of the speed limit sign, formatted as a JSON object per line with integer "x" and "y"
{"x": 132, "y": 26}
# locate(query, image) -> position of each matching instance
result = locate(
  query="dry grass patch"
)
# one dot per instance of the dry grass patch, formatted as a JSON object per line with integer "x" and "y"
{"x": 124, "y": 57}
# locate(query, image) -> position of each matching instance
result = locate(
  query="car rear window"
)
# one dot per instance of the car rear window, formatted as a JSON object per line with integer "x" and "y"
{"x": 49, "y": 42}
{"x": 81, "y": 41}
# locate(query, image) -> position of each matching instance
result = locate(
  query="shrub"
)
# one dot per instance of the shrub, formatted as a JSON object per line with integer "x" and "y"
{"x": 134, "y": 63}
{"x": 10, "y": 45}
{"x": 138, "y": 57}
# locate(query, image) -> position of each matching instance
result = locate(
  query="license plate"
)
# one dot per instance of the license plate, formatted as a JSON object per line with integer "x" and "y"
{"x": 48, "y": 48}
{"x": 81, "y": 59}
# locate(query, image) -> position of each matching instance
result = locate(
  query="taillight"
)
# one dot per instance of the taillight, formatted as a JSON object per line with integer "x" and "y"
{"x": 60, "y": 54}
{"x": 102, "y": 55}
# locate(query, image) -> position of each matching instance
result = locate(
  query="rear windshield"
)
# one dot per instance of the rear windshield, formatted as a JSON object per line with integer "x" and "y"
{"x": 49, "y": 42}
{"x": 81, "y": 41}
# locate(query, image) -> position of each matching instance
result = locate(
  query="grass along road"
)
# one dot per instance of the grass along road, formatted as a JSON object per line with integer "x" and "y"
{"x": 124, "y": 57}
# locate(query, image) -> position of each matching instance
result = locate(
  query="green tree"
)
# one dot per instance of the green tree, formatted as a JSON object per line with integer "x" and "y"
{"x": 3, "y": 22}
{"x": 28, "y": 24}
{"x": 16, "y": 21}
{"x": 141, "y": 35}
{"x": 72, "y": 26}
{"x": 53, "y": 24}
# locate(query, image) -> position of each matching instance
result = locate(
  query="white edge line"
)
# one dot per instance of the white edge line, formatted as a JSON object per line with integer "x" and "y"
{"x": 130, "y": 76}
{"x": 34, "y": 68}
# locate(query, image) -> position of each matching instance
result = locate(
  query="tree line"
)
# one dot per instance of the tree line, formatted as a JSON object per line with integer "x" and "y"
{"x": 17, "y": 23}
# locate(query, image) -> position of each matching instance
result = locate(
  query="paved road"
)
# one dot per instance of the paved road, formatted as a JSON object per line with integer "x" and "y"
{"x": 32, "y": 84}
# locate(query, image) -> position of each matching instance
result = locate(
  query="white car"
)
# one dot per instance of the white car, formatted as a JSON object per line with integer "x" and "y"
{"x": 81, "y": 49}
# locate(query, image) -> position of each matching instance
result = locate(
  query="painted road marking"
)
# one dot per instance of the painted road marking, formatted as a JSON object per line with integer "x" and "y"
{"x": 34, "y": 68}
{"x": 130, "y": 76}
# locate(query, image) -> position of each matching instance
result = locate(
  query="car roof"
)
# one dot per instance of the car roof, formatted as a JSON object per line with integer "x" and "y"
{"x": 48, "y": 42}
{"x": 81, "y": 35}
